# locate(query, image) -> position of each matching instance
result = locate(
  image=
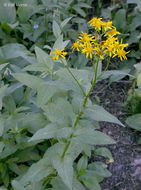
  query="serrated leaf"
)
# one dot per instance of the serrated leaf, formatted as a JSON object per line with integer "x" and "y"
{"x": 98, "y": 113}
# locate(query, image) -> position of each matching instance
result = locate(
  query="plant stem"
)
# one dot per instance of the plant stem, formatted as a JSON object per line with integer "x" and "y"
{"x": 84, "y": 105}
{"x": 84, "y": 94}
{"x": 104, "y": 69}
{"x": 52, "y": 74}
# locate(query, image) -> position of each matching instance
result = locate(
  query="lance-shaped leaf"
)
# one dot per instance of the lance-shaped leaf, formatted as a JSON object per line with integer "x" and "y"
{"x": 51, "y": 131}
{"x": 92, "y": 137}
{"x": 98, "y": 113}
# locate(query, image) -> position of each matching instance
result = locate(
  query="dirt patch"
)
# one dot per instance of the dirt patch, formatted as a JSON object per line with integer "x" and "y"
{"x": 126, "y": 169}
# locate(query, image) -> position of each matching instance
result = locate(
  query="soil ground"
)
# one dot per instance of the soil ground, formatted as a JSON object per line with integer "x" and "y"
{"x": 126, "y": 168}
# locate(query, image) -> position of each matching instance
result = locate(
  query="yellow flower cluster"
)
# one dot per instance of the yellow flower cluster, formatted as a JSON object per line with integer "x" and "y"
{"x": 104, "y": 41}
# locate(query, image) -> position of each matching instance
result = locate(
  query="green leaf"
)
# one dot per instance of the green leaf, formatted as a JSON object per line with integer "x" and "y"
{"x": 116, "y": 73}
{"x": 98, "y": 113}
{"x": 102, "y": 151}
{"x": 2, "y": 66}
{"x": 1, "y": 146}
{"x": 59, "y": 44}
{"x": 120, "y": 76}
{"x": 10, "y": 105}
{"x": 65, "y": 22}
{"x": 56, "y": 29}
{"x": 45, "y": 93}
{"x": 3, "y": 188}
{"x": 28, "y": 155}
{"x": 2, "y": 94}
{"x": 59, "y": 111}
{"x": 120, "y": 19}
{"x": 36, "y": 172}
{"x": 17, "y": 186}
{"x": 92, "y": 137}
{"x": 46, "y": 133}
{"x": 28, "y": 80}
{"x": 82, "y": 163}
{"x": 79, "y": 10}
{"x": 135, "y": 22}
{"x": 92, "y": 184}
{"x": 35, "y": 186}
{"x": 99, "y": 168}
{"x": 43, "y": 59}
{"x": 7, "y": 12}
{"x": 139, "y": 79}
{"x": 134, "y": 121}
{"x": 30, "y": 121}
{"x": 64, "y": 169}
{"x": 28, "y": 10}
{"x": 15, "y": 50}
{"x": 8, "y": 150}
{"x": 58, "y": 184}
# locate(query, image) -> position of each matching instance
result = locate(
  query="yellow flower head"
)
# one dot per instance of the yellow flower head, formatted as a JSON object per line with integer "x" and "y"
{"x": 59, "y": 54}
{"x": 107, "y": 25}
{"x": 84, "y": 37}
{"x": 112, "y": 33}
{"x": 98, "y": 52}
{"x": 121, "y": 54}
{"x": 76, "y": 46}
{"x": 96, "y": 23}
{"x": 88, "y": 49}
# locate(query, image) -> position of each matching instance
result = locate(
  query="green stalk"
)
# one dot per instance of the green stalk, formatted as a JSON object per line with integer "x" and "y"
{"x": 84, "y": 105}
{"x": 74, "y": 78}
{"x": 52, "y": 74}
{"x": 105, "y": 68}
